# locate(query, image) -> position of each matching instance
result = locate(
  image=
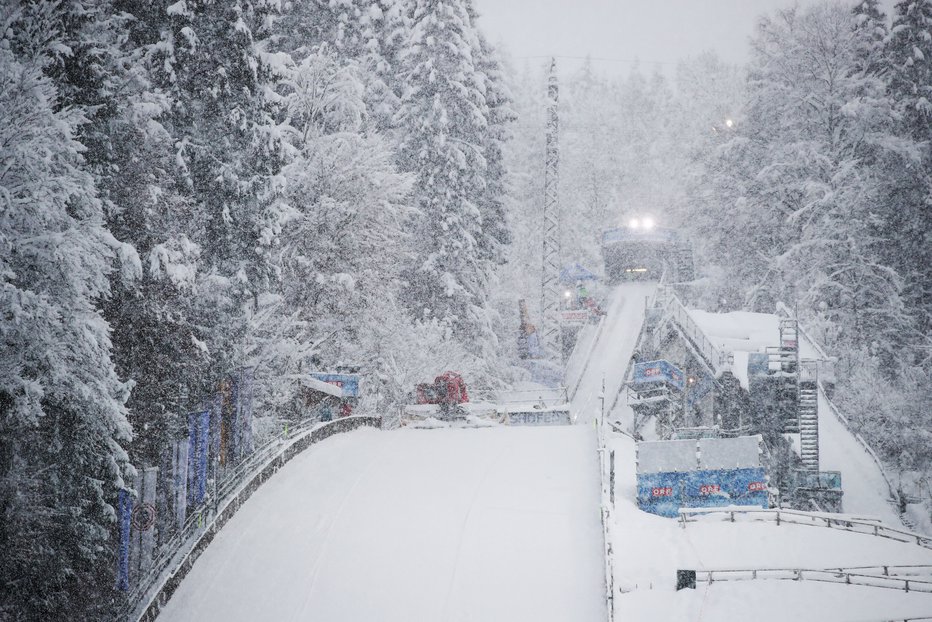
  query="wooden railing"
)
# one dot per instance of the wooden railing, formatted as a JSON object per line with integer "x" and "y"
{"x": 811, "y": 519}
{"x": 832, "y": 575}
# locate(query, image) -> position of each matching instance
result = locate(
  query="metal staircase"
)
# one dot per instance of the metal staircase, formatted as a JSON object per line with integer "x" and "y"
{"x": 784, "y": 364}
{"x": 809, "y": 415}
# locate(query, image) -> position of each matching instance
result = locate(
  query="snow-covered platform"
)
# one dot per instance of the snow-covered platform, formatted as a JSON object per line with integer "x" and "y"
{"x": 450, "y": 524}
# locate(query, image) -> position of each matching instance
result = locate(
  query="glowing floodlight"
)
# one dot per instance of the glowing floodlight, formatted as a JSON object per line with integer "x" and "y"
{"x": 634, "y": 223}
{"x": 648, "y": 223}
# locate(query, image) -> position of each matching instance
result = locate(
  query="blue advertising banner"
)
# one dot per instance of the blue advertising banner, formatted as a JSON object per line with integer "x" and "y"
{"x": 216, "y": 424}
{"x": 198, "y": 450}
{"x": 661, "y": 493}
{"x": 241, "y": 396}
{"x": 658, "y": 371}
{"x": 348, "y": 382}
{"x": 124, "y": 518}
{"x": 203, "y": 449}
{"x": 665, "y": 493}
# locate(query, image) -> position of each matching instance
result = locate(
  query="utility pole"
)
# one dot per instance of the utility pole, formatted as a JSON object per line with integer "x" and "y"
{"x": 550, "y": 277}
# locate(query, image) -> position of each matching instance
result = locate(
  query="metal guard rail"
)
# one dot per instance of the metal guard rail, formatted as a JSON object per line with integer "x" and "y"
{"x": 605, "y": 513}
{"x": 676, "y": 311}
{"x": 205, "y": 512}
{"x": 823, "y": 575}
{"x": 854, "y": 525}
{"x": 200, "y": 528}
{"x": 588, "y": 359}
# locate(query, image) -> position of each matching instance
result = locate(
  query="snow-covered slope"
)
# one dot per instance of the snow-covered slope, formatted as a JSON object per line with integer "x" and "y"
{"x": 612, "y": 352}
{"x": 449, "y": 524}
{"x": 648, "y": 550}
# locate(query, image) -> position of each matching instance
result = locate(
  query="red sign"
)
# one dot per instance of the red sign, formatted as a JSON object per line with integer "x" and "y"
{"x": 662, "y": 492}
{"x": 652, "y": 371}
{"x": 709, "y": 489}
{"x": 143, "y": 516}
{"x": 757, "y": 486}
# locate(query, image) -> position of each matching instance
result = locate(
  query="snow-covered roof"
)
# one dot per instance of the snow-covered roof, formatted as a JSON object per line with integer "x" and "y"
{"x": 321, "y": 386}
{"x": 741, "y": 332}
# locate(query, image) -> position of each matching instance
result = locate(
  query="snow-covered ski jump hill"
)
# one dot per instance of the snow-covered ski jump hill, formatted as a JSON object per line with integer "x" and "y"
{"x": 503, "y": 524}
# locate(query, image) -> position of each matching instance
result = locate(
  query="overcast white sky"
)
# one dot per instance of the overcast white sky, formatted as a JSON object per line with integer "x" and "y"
{"x": 651, "y": 30}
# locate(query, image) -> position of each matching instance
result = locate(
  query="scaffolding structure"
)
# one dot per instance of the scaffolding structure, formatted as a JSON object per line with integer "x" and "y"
{"x": 550, "y": 276}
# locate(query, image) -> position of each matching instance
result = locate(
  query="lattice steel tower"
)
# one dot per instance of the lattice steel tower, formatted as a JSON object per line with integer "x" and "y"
{"x": 550, "y": 277}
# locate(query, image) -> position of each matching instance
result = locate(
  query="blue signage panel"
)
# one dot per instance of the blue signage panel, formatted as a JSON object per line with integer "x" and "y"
{"x": 348, "y": 382}
{"x": 198, "y": 448}
{"x": 665, "y": 493}
{"x": 661, "y": 493}
{"x": 124, "y": 516}
{"x": 658, "y": 371}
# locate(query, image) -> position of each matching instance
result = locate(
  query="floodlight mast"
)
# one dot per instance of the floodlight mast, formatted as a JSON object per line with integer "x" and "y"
{"x": 550, "y": 276}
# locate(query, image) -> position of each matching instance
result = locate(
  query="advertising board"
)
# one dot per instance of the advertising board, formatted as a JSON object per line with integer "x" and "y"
{"x": 665, "y": 493}
{"x": 348, "y": 382}
{"x": 658, "y": 371}
{"x": 539, "y": 417}
{"x": 574, "y": 317}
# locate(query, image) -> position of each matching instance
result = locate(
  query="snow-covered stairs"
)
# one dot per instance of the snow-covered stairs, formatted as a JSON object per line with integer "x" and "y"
{"x": 809, "y": 425}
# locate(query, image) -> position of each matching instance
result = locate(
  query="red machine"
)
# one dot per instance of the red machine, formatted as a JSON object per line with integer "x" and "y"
{"x": 448, "y": 389}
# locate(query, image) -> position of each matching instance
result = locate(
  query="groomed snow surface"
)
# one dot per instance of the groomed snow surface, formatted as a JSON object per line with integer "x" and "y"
{"x": 612, "y": 353}
{"x": 648, "y": 550}
{"x": 410, "y": 525}
{"x": 502, "y": 523}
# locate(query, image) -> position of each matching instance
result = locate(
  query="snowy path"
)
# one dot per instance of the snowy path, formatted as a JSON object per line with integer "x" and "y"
{"x": 467, "y": 524}
{"x": 611, "y": 354}
{"x": 865, "y": 489}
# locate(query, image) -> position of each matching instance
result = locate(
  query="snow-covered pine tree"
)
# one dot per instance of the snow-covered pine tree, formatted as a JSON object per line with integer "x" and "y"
{"x": 705, "y": 115}
{"x": 813, "y": 118}
{"x": 227, "y": 154}
{"x": 870, "y": 23}
{"x": 492, "y": 204}
{"x": 344, "y": 227}
{"x": 62, "y": 414}
{"x": 154, "y": 317}
{"x": 591, "y": 151}
{"x": 371, "y": 32}
{"x": 443, "y": 120}
{"x": 909, "y": 242}
{"x": 524, "y": 158}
